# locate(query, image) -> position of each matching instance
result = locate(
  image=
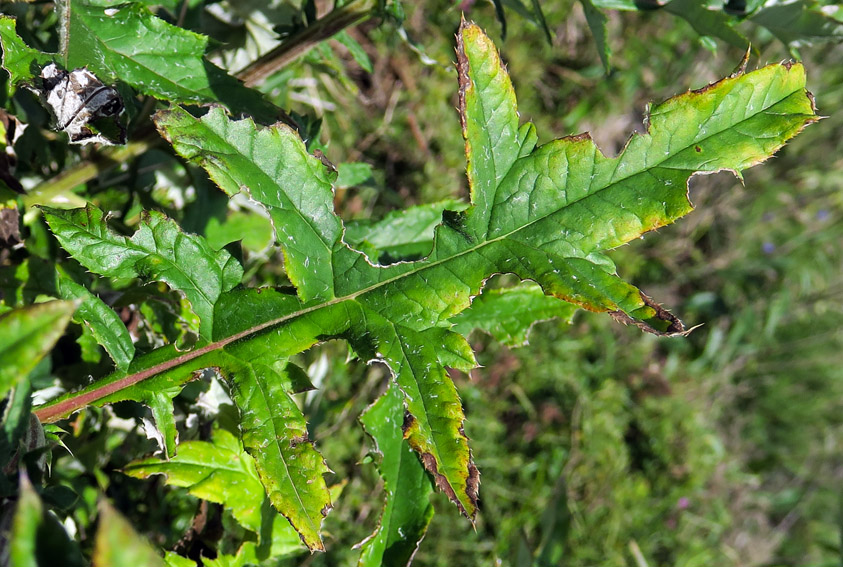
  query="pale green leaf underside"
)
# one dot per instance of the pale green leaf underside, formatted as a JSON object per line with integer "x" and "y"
{"x": 218, "y": 471}
{"x": 546, "y": 213}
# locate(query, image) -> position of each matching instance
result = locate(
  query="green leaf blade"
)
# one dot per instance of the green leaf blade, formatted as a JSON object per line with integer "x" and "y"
{"x": 274, "y": 165}
{"x": 104, "y": 323}
{"x": 508, "y": 314}
{"x": 129, "y": 43}
{"x": 799, "y": 23}
{"x": 707, "y": 22}
{"x": 19, "y": 60}
{"x": 434, "y": 426}
{"x": 489, "y": 118}
{"x": 275, "y": 434}
{"x": 407, "y": 511}
{"x": 117, "y": 543}
{"x": 29, "y": 334}
{"x": 158, "y": 251}
{"x": 218, "y": 471}
{"x": 597, "y": 23}
{"x": 37, "y": 538}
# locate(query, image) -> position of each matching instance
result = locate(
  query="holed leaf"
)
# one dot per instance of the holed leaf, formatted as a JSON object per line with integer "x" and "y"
{"x": 400, "y": 235}
{"x": 545, "y": 214}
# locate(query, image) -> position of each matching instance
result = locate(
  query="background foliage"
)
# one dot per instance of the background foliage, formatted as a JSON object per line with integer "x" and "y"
{"x": 598, "y": 444}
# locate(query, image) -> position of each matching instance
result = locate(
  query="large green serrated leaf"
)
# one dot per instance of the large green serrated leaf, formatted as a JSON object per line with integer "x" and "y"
{"x": 546, "y": 214}
{"x": 129, "y": 43}
{"x": 28, "y": 334}
{"x": 218, "y": 471}
{"x": 158, "y": 251}
{"x": 408, "y": 510}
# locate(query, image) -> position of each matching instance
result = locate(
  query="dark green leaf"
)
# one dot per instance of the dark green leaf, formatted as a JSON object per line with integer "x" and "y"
{"x": 34, "y": 278}
{"x": 355, "y": 49}
{"x": 538, "y": 13}
{"x": 707, "y": 22}
{"x": 352, "y": 174}
{"x": 799, "y": 23}
{"x": 15, "y": 420}
{"x": 501, "y": 14}
{"x": 21, "y": 62}
{"x": 103, "y": 322}
{"x": 597, "y": 24}
{"x": 127, "y": 42}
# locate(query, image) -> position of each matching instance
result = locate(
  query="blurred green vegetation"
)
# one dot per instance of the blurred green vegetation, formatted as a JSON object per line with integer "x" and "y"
{"x": 597, "y": 444}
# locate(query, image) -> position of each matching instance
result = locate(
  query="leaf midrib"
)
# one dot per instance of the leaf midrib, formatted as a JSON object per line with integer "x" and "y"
{"x": 176, "y": 464}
